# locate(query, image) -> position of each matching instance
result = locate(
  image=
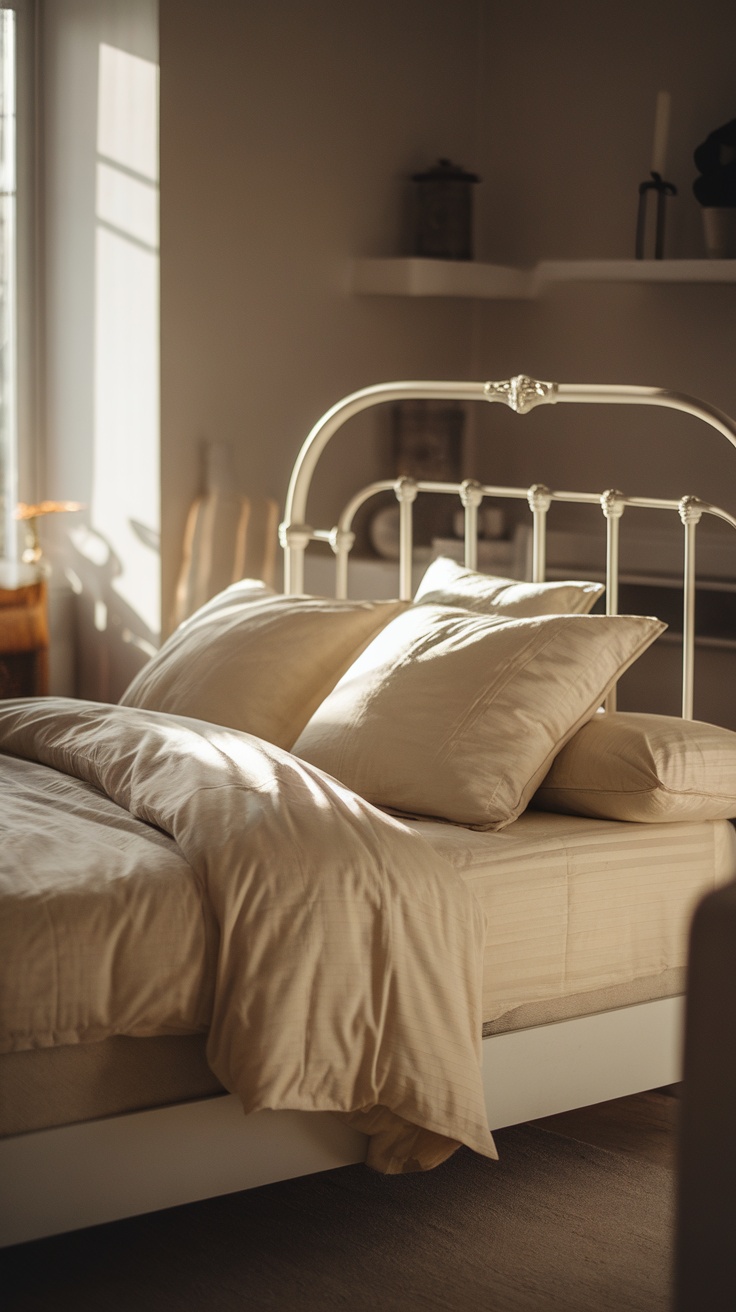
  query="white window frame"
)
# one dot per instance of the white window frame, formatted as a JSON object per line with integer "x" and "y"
{"x": 24, "y": 457}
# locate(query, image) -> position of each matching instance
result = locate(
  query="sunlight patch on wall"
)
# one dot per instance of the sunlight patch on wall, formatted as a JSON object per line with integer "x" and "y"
{"x": 128, "y": 205}
{"x": 127, "y": 117}
{"x": 125, "y": 507}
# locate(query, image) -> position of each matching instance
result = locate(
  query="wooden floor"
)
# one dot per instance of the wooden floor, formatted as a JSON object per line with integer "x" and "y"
{"x": 645, "y": 1126}
{"x": 577, "y": 1215}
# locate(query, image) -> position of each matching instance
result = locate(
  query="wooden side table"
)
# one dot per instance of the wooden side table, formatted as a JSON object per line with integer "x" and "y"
{"x": 24, "y": 631}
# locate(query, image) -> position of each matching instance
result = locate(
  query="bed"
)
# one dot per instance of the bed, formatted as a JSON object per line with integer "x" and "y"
{"x": 301, "y": 921}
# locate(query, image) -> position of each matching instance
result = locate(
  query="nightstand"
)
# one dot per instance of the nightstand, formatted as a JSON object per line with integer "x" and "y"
{"x": 24, "y": 632}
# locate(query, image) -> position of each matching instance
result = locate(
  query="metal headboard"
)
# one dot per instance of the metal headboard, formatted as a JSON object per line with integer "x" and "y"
{"x": 521, "y": 394}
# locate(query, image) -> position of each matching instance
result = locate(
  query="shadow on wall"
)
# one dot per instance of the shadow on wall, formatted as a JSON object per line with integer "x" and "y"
{"x": 112, "y": 640}
{"x": 104, "y": 414}
{"x": 228, "y": 536}
{"x": 117, "y": 558}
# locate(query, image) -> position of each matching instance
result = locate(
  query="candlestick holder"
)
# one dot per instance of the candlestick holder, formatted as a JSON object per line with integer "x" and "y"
{"x": 654, "y": 183}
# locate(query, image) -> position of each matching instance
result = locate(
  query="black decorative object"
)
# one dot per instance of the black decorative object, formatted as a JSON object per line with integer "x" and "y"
{"x": 443, "y": 228}
{"x": 715, "y": 160}
{"x": 715, "y": 189}
{"x": 663, "y": 189}
{"x": 656, "y": 182}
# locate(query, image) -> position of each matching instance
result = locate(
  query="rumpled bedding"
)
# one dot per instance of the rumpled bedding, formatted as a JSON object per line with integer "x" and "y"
{"x": 334, "y": 958}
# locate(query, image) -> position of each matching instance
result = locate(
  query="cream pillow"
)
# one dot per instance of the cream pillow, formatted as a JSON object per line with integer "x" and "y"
{"x": 450, "y": 584}
{"x": 255, "y": 660}
{"x": 458, "y": 715}
{"x": 627, "y": 766}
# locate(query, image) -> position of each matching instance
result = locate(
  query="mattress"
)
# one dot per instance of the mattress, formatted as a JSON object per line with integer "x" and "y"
{"x": 583, "y": 915}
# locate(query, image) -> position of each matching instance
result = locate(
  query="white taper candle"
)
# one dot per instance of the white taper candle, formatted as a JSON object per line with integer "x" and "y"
{"x": 661, "y": 132}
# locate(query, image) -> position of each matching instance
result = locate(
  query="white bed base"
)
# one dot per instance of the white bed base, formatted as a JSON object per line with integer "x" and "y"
{"x": 64, "y": 1179}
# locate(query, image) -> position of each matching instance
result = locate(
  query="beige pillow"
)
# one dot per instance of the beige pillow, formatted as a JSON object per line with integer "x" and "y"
{"x": 255, "y": 660}
{"x": 458, "y": 715}
{"x": 450, "y": 584}
{"x": 627, "y": 766}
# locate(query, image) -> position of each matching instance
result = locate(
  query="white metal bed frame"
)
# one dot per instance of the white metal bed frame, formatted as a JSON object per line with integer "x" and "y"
{"x": 521, "y": 394}
{"x": 65, "y": 1178}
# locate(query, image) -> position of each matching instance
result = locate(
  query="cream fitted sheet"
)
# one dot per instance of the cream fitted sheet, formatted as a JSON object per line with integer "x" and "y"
{"x": 582, "y": 906}
{"x": 571, "y": 906}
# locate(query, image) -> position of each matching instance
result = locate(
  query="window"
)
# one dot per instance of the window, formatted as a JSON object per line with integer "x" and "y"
{"x": 8, "y": 311}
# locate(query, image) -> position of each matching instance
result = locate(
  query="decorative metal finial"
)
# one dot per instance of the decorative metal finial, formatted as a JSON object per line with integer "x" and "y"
{"x": 471, "y": 493}
{"x": 539, "y": 498}
{"x": 613, "y": 503}
{"x": 691, "y": 510}
{"x": 405, "y": 490}
{"x": 521, "y": 393}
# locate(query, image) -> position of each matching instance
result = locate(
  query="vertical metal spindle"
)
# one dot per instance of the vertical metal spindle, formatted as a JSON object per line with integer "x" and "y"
{"x": 341, "y": 576}
{"x": 342, "y": 543}
{"x": 690, "y": 514}
{"x": 539, "y": 498}
{"x": 471, "y": 495}
{"x": 405, "y": 490}
{"x": 294, "y": 539}
{"x": 612, "y": 505}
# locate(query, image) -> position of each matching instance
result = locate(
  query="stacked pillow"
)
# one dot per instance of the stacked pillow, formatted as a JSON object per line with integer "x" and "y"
{"x": 450, "y": 584}
{"x": 255, "y": 660}
{"x": 628, "y": 766}
{"x": 459, "y": 715}
{"x": 465, "y": 706}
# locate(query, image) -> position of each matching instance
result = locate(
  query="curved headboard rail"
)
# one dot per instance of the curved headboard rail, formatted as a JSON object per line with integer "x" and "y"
{"x": 521, "y": 394}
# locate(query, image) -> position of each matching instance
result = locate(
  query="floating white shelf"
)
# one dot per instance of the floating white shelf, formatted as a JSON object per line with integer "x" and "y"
{"x": 468, "y": 278}
{"x": 636, "y": 271}
{"x": 415, "y": 277}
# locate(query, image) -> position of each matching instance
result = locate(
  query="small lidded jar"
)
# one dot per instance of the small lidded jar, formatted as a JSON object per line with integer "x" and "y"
{"x": 443, "y": 228}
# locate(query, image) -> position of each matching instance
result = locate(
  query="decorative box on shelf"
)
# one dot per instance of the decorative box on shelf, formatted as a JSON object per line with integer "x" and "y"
{"x": 24, "y": 635}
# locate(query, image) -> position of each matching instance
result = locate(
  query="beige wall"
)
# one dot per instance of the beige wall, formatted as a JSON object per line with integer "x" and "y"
{"x": 287, "y": 132}
{"x": 566, "y": 121}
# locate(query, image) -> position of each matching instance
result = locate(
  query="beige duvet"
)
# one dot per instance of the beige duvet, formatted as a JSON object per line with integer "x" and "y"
{"x": 334, "y": 957}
